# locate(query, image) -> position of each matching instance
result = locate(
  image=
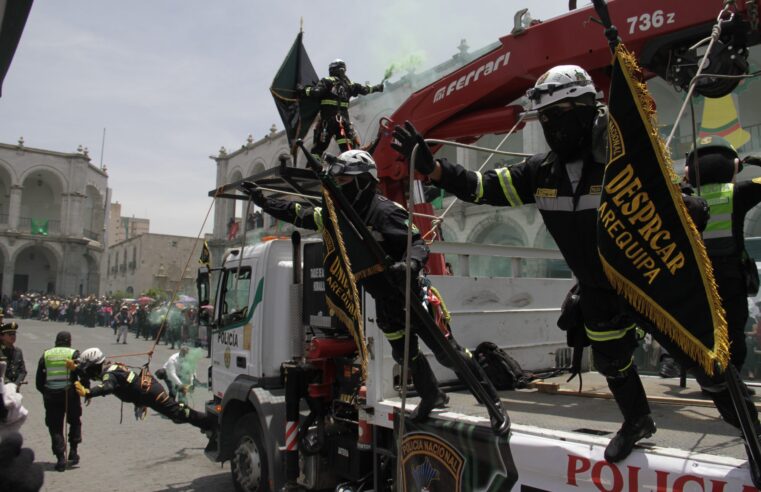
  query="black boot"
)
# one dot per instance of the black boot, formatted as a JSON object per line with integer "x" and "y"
{"x": 623, "y": 442}
{"x": 427, "y": 387}
{"x": 73, "y": 456}
{"x": 61, "y": 463}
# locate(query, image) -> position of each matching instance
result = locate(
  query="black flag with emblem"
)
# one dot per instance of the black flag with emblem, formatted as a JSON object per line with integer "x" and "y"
{"x": 341, "y": 292}
{"x": 650, "y": 249}
{"x": 297, "y": 113}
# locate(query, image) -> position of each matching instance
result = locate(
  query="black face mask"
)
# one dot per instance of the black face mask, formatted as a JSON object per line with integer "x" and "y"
{"x": 359, "y": 191}
{"x": 568, "y": 132}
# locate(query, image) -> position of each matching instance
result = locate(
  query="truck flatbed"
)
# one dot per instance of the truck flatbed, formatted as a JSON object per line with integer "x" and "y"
{"x": 558, "y": 438}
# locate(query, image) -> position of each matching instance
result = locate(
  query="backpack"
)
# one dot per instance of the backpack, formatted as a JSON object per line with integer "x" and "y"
{"x": 503, "y": 371}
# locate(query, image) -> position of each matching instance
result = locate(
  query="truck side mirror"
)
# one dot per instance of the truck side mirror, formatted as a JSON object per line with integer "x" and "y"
{"x": 202, "y": 284}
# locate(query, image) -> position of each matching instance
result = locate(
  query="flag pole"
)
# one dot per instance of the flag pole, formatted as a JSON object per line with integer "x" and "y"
{"x": 737, "y": 390}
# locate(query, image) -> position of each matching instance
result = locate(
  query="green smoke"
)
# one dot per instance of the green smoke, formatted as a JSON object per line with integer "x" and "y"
{"x": 408, "y": 64}
{"x": 188, "y": 367}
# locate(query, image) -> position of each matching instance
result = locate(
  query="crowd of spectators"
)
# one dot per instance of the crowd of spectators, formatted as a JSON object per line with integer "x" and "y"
{"x": 180, "y": 323}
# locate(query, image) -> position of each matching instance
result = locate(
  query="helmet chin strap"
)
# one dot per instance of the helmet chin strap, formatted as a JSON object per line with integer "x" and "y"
{"x": 360, "y": 191}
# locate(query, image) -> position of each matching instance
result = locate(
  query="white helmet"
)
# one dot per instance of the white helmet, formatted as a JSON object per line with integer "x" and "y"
{"x": 93, "y": 355}
{"x": 354, "y": 163}
{"x": 559, "y": 83}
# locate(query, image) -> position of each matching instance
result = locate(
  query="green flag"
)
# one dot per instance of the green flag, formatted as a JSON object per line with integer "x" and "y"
{"x": 297, "y": 113}
{"x": 40, "y": 227}
{"x": 648, "y": 244}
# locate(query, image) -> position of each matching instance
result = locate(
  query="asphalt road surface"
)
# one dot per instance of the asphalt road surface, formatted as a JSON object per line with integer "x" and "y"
{"x": 118, "y": 453}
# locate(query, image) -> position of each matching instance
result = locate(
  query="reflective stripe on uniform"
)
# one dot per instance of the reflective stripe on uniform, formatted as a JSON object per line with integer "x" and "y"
{"x": 130, "y": 377}
{"x": 607, "y": 336}
{"x": 394, "y": 335}
{"x": 317, "y": 214}
{"x": 56, "y": 373}
{"x": 506, "y": 181}
{"x": 479, "y": 187}
{"x": 334, "y": 102}
{"x": 565, "y": 203}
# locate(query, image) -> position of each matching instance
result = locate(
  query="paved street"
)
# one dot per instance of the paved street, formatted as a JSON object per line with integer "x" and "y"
{"x": 149, "y": 455}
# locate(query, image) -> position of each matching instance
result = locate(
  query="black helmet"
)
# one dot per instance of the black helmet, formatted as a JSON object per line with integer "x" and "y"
{"x": 337, "y": 67}
{"x": 712, "y": 144}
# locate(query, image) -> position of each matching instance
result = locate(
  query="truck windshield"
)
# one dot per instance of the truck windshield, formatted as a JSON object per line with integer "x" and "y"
{"x": 235, "y": 295}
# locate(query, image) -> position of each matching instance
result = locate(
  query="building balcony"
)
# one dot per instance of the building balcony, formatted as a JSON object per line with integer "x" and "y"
{"x": 39, "y": 226}
{"x": 94, "y": 236}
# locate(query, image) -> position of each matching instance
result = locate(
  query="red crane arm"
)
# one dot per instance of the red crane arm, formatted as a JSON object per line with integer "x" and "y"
{"x": 475, "y": 99}
{"x": 472, "y": 100}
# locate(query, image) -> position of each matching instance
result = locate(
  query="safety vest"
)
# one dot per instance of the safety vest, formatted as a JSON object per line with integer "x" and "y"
{"x": 55, "y": 367}
{"x": 718, "y": 233}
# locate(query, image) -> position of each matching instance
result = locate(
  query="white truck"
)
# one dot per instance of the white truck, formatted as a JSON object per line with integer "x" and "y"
{"x": 272, "y": 335}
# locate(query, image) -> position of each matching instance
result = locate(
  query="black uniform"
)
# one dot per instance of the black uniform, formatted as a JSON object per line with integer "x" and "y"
{"x": 387, "y": 221}
{"x": 60, "y": 403}
{"x": 726, "y": 254}
{"x": 119, "y": 380}
{"x": 16, "y": 370}
{"x": 334, "y": 93}
{"x": 571, "y": 218}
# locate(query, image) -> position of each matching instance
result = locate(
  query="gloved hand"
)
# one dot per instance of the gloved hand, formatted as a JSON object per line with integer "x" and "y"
{"x": 81, "y": 390}
{"x": 405, "y": 140}
{"x": 752, "y": 160}
{"x": 70, "y": 364}
{"x": 252, "y": 189}
{"x": 698, "y": 210}
{"x": 184, "y": 389}
{"x": 378, "y": 87}
{"x": 17, "y": 468}
{"x": 399, "y": 269}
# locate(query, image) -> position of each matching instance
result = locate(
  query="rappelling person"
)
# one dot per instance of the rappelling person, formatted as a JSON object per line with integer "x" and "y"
{"x": 334, "y": 93}
{"x": 356, "y": 174}
{"x": 143, "y": 390}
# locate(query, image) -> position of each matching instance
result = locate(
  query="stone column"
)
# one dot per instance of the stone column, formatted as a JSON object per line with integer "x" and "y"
{"x": 8, "y": 272}
{"x": 14, "y": 207}
{"x": 221, "y": 205}
{"x": 71, "y": 225}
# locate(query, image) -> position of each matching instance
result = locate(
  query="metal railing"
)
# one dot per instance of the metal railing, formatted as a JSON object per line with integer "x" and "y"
{"x": 42, "y": 227}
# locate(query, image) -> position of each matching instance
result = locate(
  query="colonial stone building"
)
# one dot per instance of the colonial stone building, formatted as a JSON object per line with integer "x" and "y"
{"x": 122, "y": 228}
{"x": 152, "y": 261}
{"x": 53, "y": 211}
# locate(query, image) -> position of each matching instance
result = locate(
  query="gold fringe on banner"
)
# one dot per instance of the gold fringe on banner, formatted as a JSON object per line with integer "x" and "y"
{"x": 705, "y": 356}
{"x": 358, "y": 335}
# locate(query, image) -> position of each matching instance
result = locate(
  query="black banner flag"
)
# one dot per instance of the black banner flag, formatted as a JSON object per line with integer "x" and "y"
{"x": 297, "y": 113}
{"x": 650, "y": 249}
{"x": 341, "y": 292}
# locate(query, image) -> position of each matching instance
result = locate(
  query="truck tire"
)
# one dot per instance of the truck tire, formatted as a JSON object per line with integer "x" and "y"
{"x": 249, "y": 461}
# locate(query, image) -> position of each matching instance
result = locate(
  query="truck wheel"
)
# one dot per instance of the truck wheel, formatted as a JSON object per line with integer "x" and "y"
{"x": 249, "y": 462}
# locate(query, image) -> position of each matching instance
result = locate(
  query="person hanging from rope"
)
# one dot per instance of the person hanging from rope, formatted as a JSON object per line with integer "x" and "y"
{"x": 356, "y": 174}
{"x": 143, "y": 389}
{"x": 55, "y": 381}
{"x": 334, "y": 93}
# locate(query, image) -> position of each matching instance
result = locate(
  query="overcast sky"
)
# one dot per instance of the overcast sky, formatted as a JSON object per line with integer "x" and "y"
{"x": 172, "y": 81}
